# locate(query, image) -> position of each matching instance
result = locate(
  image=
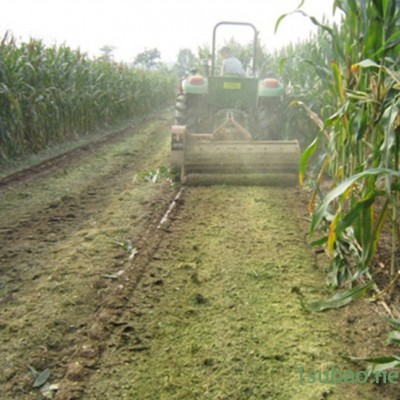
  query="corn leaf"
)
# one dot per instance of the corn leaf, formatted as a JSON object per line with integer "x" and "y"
{"x": 383, "y": 366}
{"x": 340, "y": 299}
{"x": 371, "y": 242}
{"x": 319, "y": 242}
{"x": 379, "y": 363}
{"x": 367, "y": 64}
{"x": 393, "y": 322}
{"x": 342, "y": 188}
{"x": 312, "y": 19}
{"x": 394, "y": 337}
{"x": 340, "y": 92}
{"x": 332, "y": 234}
{"x": 375, "y": 360}
{"x": 305, "y": 157}
{"x": 354, "y": 213}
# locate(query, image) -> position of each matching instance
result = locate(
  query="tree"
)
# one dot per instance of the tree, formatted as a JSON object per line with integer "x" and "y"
{"x": 147, "y": 59}
{"x": 107, "y": 52}
{"x": 186, "y": 60}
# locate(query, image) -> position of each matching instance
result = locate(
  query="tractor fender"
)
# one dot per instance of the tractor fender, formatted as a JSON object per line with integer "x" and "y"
{"x": 196, "y": 84}
{"x": 270, "y": 88}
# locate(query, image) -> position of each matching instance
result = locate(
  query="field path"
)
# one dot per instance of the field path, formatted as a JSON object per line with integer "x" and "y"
{"x": 109, "y": 304}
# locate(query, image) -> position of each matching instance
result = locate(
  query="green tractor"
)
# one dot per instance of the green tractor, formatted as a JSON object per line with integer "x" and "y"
{"x": 228, "y": 123}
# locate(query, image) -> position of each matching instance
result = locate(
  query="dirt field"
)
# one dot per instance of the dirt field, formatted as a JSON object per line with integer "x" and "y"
{"x": 117, "y": 302}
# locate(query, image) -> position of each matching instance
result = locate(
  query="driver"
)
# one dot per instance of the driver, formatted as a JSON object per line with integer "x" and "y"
{"x": 230, "y": 64}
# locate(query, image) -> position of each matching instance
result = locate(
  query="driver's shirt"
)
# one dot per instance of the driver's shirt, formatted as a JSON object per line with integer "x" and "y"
{"x": 232, "y": 65}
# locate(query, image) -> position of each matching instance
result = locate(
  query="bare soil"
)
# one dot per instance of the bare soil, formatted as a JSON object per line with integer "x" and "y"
{"x": 118, "y": 302}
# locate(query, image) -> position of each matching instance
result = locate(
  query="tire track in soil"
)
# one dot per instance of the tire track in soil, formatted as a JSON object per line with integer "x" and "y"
{"x": 216, "y": 314}
{"x": 64, "y": 159}
{"x": 59, "y": 259}
{"x": 32, "y": 234}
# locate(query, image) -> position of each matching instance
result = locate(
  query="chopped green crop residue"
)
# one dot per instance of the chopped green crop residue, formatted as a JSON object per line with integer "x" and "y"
{"x": 218, "y": 314}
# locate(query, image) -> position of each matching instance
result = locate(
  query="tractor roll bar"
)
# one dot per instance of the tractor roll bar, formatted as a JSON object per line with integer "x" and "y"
{"x": 214, "y": 43}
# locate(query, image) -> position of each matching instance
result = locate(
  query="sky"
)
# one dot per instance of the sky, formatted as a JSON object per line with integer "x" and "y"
{"x": 132, "y": 26}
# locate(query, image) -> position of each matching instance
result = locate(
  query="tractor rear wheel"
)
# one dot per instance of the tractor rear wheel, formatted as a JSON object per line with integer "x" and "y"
{"x": 269, "y": 118}
{"x": 191, "y": 110}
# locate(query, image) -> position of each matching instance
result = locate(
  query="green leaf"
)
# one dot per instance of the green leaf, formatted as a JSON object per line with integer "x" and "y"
{"x": 372, "y": 241}
{"x": 312, "y": 19}
{"x": 375, "y": 360}
{"x": 42, "y": 378}
{"x": 341, "y": 189}
{"x": 379, "y": 363}
{"x": 394, "y": 337}
{"x": 337, "y": 115}
{"x": 390, "y": 43}
{"x": 319, "y": 242}
{"x": 282, "y": 63}
{"x": 278, "y": 21}
{"x": 307, "y": 153}
{"x": 34, "y": 372}
{"x": 340, "y": 299}
{"x": 339, "y": 87}
{"x": 324, "y": 27}
{"x": 355, "y": 211}
{"x": 395, "y": 363}
{"x": 368, "y": 63}
{"x": 393, "y": 322}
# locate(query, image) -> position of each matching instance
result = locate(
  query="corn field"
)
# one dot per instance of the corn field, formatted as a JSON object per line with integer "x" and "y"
{"x": 51, "y": 94}
{"x": 345, "y": 81}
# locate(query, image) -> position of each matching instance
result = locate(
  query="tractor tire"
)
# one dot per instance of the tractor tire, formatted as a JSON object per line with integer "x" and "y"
{"x": 191, "y": 111}
{"x": 269, "y": 121}
{"x": 180, "y": 110}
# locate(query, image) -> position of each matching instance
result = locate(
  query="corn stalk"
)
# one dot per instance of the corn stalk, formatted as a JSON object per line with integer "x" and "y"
{"x": 354, "y": 67}
{"x": 51, "y": 94}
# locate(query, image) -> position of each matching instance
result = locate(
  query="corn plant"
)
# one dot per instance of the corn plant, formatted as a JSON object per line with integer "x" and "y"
{"x": 51, "y": 94}
{"x": 355, "y": 66}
